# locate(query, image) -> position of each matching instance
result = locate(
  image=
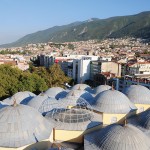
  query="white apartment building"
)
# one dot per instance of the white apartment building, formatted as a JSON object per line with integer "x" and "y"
{"x": 81, "y": 68}
{"x": 139, "y": 68}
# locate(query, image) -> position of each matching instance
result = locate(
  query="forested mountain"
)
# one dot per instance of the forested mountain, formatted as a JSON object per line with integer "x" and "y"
{"x": 115, "y": 27}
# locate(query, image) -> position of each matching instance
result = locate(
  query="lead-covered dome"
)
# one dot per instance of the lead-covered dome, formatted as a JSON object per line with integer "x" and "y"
{"x": 21, "y": 125}
{"x": 141, "y": 120}
{"x": 20, "y": 97}
{"x": 101, "y": 88}
{"x": 56, "y": 92}
{"x": 48, "y": 105}
{"x": 76, "y": 94}
{"x": 138, "y": 94}
{"x": 113, "y": 101}
{"x": 37, "y": 101}
{"x": 116, "y": 137}
{"x": 2, "y": 104}
{"x": 82, "y": 87}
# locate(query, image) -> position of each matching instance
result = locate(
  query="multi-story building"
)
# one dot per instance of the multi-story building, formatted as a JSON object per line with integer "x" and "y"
{"x": 139, "y": 68}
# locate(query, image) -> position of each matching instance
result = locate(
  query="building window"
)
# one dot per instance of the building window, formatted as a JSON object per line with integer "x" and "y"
{"x": 113, "y": 119}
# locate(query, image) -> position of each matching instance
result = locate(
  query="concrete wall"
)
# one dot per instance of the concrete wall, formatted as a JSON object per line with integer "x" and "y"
{"x": 108, "y": 118}
{"x": 73, "y": 136}
{"x": 142, "y": 107}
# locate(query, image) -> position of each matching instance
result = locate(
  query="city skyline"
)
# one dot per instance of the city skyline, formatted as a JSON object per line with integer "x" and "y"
{"x": 24, "y": 17}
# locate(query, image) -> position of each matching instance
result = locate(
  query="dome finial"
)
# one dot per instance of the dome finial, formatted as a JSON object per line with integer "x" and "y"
{"x": 138, "y": 81}
{"x": 112, "y": 86}
{"x": 125, "y": 121}
{"x": 42, "y": 93}
{"x": 79, "y": 88}
{"x": 73, "y": 94}
{"x": 15, "y": 103}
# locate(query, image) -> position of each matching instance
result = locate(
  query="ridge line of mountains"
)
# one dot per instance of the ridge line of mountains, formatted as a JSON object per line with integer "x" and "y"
{"x": 137, "y": 26}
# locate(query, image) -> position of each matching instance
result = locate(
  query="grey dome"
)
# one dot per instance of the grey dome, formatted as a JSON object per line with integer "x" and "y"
{"x": 101, "y": 88}
{"x": 116, "y": 137}
{"x": 20, "y": 97}
{"x": 138, "y": 94}
{"x": 82, "y": 87}
{"x": 75, "y": 94}
{"x": 37, "y": 101}
{"x": 144, "y": 119}
{"x": 141, "y": 120}
{"x": 22, "y": 125}
{"x": 112, "y": 101}
{"x": 49, "y": 104}
{"x": 2, "y": 104}
{"x": 56, "y": 92}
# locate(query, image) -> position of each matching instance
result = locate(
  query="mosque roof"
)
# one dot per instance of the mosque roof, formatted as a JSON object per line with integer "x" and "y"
{"x": 56, "y": 92}
{"x": 82, "y": 87}
{"x": 21, "y": 125}
{"x": 20, "y": 97}
{"x": 37, "y": 101}
{"x": 138, "y": 94}
{"x": 116, "y": 137}
{"x": 101, "y": 88}
{"x": 49, "y": 104}
{"x": 113, "y": 101}
{"x": 2, "y": 104}
{"x": 75, "y": 94}
{"x": 141, "y": 120}
{"x": 71, "y": 101}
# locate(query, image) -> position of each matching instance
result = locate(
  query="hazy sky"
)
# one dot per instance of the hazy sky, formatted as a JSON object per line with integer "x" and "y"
{"x": 21, "y": 17}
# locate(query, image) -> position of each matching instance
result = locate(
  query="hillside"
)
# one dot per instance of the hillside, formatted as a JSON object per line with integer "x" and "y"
{"x": 115, "y": 27}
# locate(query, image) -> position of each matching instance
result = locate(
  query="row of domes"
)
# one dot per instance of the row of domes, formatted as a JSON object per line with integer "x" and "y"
{"x": 22, "y": 119}
{"x": 108, "y": 101}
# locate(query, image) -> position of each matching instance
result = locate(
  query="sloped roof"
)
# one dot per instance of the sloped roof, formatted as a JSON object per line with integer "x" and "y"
{"x": 138, "y": 94}
{"x": 113, "y": 101}
{"x": 116, "y": 137}
{"x": 22, "y": 125}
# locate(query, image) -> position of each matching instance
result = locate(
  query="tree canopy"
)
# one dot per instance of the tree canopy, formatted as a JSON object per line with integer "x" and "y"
{"x": 36, "y": 80}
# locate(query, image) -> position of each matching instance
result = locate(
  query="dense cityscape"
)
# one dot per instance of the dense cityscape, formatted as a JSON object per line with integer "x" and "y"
{"x": 80, "y": 86}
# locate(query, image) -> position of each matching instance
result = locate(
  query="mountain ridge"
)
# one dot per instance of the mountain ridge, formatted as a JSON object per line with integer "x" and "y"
{"x": 137, "y": 25}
